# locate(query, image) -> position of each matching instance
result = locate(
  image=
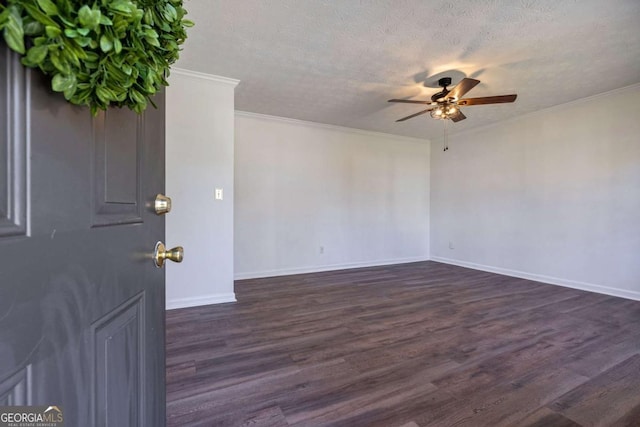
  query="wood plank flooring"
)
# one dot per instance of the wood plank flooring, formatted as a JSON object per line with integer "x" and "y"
{"x": 411, "y": 345}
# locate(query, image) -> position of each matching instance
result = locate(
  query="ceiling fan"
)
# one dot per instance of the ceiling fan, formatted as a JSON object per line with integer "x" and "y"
{"x": 445, "y": 105}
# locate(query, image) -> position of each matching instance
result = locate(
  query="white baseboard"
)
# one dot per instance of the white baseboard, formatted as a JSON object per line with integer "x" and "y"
{"x": 203, "y": 300}
{"x": 330, "y": 267}
{"x": 623, "y": 293}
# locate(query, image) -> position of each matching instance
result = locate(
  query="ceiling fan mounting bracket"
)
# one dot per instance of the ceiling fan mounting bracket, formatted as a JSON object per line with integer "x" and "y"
{"x": 440, "y": 96}
{"x": 444, "y": 82}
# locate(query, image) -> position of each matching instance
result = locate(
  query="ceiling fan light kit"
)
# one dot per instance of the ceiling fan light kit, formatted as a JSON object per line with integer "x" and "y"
{"x": 445, "y": 111}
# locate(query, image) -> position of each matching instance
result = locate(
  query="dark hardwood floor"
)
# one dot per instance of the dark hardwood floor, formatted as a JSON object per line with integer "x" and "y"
{"x": 422, "y": 344}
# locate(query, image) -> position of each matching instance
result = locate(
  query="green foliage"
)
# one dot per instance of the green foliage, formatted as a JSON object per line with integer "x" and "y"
{"x": 100, "y": 54}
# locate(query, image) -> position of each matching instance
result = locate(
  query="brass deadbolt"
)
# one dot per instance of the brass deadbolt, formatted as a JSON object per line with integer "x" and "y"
{"x": 162, "y": 204}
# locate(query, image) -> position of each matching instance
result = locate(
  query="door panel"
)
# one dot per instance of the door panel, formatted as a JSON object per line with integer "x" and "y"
{"x": 118, "y": 141}
{"x": 14, "y": 389}
{"x": 81, "y": 303}
{"x": 13, "y": 159}
{"x": 119, "y": 345}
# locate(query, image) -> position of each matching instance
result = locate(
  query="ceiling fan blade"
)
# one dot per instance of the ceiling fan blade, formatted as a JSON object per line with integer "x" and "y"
{"x": 463, "y": 87}
{"x": 488, "y": 100}
{"x": 458, "y": 117}
{"x": 414, "y": 115}
{"x": 409, "y": 101}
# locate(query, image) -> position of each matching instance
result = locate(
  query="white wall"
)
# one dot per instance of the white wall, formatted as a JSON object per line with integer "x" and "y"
{"x": 553, "y": 196}
{"x": 200, "y": 127}
{"x": 362, "y": 196}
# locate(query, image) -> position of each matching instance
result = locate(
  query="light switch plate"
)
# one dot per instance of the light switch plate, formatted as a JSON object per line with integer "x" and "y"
{"x": 218, "y": 193}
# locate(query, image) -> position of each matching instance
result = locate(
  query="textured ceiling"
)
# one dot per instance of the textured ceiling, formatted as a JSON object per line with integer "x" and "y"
{"x": 338, "y": 61}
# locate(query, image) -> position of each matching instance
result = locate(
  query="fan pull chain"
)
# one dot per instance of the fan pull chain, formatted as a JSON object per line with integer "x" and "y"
{"x": 445, "y": 142}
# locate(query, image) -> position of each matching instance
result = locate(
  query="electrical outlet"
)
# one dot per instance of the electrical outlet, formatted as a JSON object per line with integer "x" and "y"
{"x": 321, "y": 249}
{"x": 451, "y": 245}
{"x": 218, "y": 193}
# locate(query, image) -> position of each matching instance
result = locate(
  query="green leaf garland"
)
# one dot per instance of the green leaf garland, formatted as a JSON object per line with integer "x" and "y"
{"x": 100, "y": 54}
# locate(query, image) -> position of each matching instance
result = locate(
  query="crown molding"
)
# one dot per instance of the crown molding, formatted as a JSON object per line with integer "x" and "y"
{"x": 327, "y": 126}
{"x": 553, "y": 108}
{"x": 205, "y": 76}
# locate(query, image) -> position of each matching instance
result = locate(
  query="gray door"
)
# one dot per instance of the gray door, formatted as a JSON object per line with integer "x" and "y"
{"x": 81, "y": 302}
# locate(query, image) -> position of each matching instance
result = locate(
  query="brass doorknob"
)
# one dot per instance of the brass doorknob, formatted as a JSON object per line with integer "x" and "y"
{"x": 162, "y": 204}
{"x": 161, "y": 254}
